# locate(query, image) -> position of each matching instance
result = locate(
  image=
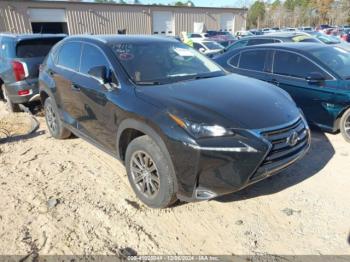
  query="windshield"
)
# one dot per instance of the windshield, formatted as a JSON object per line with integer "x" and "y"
{"x": 336, "y": 59}
{"x": 163, "y": 62}
{"x": 212, "y": 45}
{"x": 329, "y": 40}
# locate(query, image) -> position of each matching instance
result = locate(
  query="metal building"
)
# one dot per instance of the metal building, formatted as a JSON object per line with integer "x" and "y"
{"x": 95, "y": 18}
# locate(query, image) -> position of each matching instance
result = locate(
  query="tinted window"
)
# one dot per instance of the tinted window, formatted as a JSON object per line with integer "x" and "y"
{"x": 335, "y": 58}
{"x": 196, "y": 36}
{"x": 69, "y": 55}
{"x": 238, "y": 44}
{"x": 290, "y": 64}
{"x": 254, "y": 60}
{"x": 197, "y": 46}
{"x": 260, "y": 41}
{"x": 234, "y": 60}
{"x": 35, "y": 47}
{"x": 92, "y": 57}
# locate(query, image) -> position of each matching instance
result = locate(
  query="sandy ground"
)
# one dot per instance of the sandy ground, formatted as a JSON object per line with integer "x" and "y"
{"x": 67, "y": 197}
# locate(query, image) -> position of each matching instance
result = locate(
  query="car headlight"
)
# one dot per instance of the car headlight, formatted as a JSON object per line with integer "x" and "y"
{"x": 199, "y": 130}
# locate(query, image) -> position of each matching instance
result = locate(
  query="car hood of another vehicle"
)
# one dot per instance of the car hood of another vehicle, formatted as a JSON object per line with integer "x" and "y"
{"x": 232, "y": 101}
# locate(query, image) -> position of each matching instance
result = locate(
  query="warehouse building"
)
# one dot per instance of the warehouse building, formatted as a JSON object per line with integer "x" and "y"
{"x": 95, "y": 18}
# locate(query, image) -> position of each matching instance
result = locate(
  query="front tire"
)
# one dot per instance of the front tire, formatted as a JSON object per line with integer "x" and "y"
{"x": 53, "y": 122}
{"x": 11, "y": 107}
{"x": 150, "y": 173}
{"x": 345, "y": 125}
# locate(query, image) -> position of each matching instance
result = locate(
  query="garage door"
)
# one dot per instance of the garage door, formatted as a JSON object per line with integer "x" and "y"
{"x": 47, "y": 15}
{"x": 226, "y": 22}
{"x": 163, "y": 23}
{"x": 45, "y": 20}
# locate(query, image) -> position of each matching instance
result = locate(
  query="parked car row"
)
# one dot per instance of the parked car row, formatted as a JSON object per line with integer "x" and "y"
{"x": 184, "y": 126}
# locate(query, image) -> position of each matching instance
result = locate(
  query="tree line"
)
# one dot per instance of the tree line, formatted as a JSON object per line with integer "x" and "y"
{"x": 295, "y": 13}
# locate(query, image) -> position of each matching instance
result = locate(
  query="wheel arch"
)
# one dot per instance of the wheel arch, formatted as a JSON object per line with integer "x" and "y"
{"x": 340, "y": 115}
{"x": 129, "y": 129}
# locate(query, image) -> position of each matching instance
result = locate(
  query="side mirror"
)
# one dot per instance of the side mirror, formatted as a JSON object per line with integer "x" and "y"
{"x": 100, "y": 73}
{"x": 202, "y": 50}
{"x": 315, "y": 78}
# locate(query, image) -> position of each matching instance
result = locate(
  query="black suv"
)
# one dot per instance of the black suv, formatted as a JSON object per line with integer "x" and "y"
{"x": 20, "y": 57}
{"x": 183, "y": 127}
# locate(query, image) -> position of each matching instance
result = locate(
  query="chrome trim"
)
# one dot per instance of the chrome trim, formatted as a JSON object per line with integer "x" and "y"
{"x": 245, "y": 148}
{"x": 273, "y": 128}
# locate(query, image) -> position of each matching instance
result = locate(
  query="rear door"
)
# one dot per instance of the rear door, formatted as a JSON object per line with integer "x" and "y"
{"x": 253, "y": 63}
{"x": 290, "y": 71}
{"x": 65, "y": 75}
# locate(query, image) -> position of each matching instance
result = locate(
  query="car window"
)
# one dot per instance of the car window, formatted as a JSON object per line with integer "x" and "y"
{"x": 254, "y": 60}
{"x": 35, "y": 47}
{"x": 291, "y": 64}
{"x": 197, "y": 46}
{"x": 238, "y": 44}
{"x": 260, "y": 41}
{"x": 166, "y": 62}
{"x": 69, "y": 55}
{"x": 234, "y": 60}
{"x": 92, "y": 57}
{"x": 196, "y": 36}
{"x": 335, "y": 58}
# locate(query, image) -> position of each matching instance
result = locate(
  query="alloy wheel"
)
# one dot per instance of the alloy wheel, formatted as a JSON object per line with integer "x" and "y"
{"x": 145, "y": 174}
{"x": 51, "y": 118}
{"x": 347, "y": 126}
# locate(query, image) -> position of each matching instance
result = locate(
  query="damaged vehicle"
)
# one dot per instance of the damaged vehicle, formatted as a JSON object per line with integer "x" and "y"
{"x": 184, "y": 128}
{"x": 20, "y": 58}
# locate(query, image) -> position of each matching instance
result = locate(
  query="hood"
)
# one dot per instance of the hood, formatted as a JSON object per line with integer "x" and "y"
{"x": 344, "y": 45}
{"x": 232, "y": 101}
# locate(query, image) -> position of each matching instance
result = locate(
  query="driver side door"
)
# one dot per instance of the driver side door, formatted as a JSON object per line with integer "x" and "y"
{"x": 290, "y": 72}
{"x": 97, "y": 119}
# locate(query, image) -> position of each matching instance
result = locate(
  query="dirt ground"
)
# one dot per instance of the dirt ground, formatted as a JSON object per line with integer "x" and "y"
{"x": 67, "y": 197}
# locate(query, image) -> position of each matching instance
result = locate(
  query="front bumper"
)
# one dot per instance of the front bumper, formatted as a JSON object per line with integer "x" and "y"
{"x": 29, "y": 84}
{"x": 206, "y": 171}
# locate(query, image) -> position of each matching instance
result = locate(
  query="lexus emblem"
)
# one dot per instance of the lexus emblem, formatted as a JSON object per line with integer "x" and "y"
{"x": 293, "y": 139}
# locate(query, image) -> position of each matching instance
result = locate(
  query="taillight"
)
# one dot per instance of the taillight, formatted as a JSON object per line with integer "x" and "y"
{"x": 24, "y": 92}
{"x": 19, "y": 70}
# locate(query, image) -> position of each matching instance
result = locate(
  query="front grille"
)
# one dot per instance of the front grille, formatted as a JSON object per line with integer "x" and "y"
{"x": 287, "y": 144}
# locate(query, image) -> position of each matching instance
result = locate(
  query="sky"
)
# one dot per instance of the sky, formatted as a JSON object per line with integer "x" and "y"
{"x": 209, "y": 3}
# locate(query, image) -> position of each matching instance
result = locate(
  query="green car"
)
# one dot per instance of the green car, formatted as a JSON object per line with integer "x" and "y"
{"x": 317, "y": 77}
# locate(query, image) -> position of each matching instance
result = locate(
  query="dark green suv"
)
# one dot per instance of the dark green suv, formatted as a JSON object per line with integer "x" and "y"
{"x": 317, "y": 76}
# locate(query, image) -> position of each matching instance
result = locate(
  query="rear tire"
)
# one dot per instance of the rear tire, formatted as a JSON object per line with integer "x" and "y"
{"x": 345, "y": 125}
{"x": 53, "y": 121}
{"x": 150, "y": 173}
{"x": 10, "y": 106}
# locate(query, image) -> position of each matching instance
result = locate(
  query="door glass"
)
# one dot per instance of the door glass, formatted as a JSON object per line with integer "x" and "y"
{"x": 92, "y": 57}
{"x": 260, "y": 41}
{"x": 197, "y": 46}
{"x": 69, "y": 55}
{"x": 294, "y": 65}
{"x": 234, "y": 60}
{"x": 254, "y": 60}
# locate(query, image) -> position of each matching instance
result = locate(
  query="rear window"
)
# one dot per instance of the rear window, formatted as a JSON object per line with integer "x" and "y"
{"x": 35, "y": 47}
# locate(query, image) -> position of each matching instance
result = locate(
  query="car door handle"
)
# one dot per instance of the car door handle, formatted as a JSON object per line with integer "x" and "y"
{"x": 75, "y": 87}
